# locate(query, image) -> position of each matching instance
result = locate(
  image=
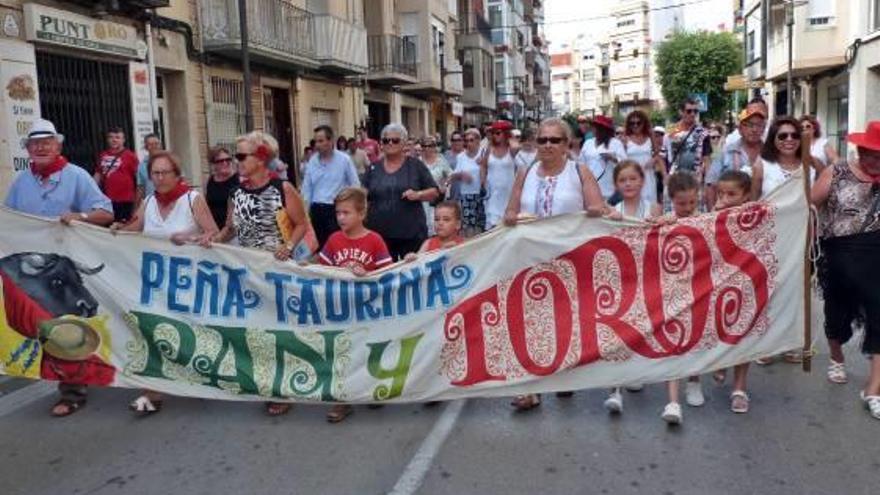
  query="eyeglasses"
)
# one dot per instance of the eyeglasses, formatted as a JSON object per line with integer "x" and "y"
{"x": 550, "y": 139}
{"x": 429, "y": 145}
{"x": 470, "y": 140}
{"x": 807, "y": 126}
{"x": 498, "y": 133}
{"x": 634, "y": 122}
{"x": 788, "y": 136}
{"x": 240, "y": 157}
{"x": 161, "y": 173}
{"x": 222, "y": 160}
{"x": 714, "y": 137}
{"x": 391, "y": 140}
{"x": 692, "y": 111}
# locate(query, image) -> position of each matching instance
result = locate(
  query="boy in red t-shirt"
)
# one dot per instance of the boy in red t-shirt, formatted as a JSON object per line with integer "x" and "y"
{"x": 353, "y": 247}
{"x": 116, "y": 174}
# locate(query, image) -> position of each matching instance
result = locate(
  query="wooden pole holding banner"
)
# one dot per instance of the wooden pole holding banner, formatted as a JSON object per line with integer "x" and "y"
{"x": 806, "y": 163}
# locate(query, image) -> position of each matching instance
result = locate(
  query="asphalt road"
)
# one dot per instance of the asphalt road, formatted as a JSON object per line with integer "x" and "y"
{"x": 802, "y": 436}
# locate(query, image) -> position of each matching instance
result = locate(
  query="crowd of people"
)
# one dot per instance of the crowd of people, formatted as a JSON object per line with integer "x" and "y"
{"x": 363, "y": 204}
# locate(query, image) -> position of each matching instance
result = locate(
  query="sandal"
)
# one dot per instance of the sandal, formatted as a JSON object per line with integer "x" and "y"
{"x": 793, "y": 357}
{"x": 277, "y": 408}
{"x": 143, "y": 406}
{"x": 66, "y": 407}
{"x": 524, "y": 403}
{"x": 872, "y": 404}
{"x": 339, "y": 412}
{"x": 837, "y": 372}
{"x": 739, "y": 402}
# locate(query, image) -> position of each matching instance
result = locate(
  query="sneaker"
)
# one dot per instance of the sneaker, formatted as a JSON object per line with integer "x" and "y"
{"x": 614, "y": 402}
{"x": 634, "y": 388}
{"x": 672, "y": 413}
{"x": 693, "y": 394}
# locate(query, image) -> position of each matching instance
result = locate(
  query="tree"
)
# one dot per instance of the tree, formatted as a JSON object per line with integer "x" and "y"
{"x": 698, "y": 63}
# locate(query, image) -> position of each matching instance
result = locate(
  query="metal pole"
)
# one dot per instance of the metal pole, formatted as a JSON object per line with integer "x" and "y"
{"x": 245, "y": 66}
{"x": 789, "y": 21}
{"x": 151, "y": 70}
{"x": 442, "y": 95}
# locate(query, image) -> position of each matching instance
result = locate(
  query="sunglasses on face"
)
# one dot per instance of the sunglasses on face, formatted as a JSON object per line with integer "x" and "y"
{"x": 635, "y": 122}
{"x": 240, "y": 157}
{"x": 715, "y": 137}
{"x": 391, "y": 140}
{"x": 788, "y": 136}
{"x": 429, "y": 145}
{"x": 550, "y": 139}
{"x": 692, "y": 111}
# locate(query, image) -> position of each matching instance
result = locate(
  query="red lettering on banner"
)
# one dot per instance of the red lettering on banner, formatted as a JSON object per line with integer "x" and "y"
{"x": 470, "y": 311}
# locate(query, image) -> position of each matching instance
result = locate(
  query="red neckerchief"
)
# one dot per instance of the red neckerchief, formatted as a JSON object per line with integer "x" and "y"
{"x": 167, "y": 198}
{"x": 50, "y": 169}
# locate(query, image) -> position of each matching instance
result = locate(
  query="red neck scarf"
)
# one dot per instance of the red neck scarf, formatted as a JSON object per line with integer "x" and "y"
{"x": 50, "y": 169}
{"x": 173, "y": 195}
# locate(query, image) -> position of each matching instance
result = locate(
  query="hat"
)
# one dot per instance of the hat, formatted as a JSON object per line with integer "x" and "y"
{"x": 501, "y": 125}
{"x": 660, "y": 129}
{"x": 604, "y": 121}
{"x": 869, "y": 139}
{"x": 42, "y": 128}
{"x": 748, "y": 113}
{"x": 69, "y": 339}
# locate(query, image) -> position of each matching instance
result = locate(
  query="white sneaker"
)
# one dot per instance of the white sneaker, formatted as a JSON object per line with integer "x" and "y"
{"x": 672, "y": 413}
{"x": 614, "y": 402}
{"x": 693, "y": 394}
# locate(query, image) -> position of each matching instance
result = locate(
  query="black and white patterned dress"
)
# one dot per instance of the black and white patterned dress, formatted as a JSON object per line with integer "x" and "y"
{"x": 254, "y": 215}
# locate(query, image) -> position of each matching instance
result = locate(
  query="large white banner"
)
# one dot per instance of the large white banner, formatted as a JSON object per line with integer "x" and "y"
{"x": 561, "y": 304}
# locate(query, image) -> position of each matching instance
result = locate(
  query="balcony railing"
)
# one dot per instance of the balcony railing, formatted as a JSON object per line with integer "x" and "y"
{"x": 389, "y": 54}
{"x": 340, "y": 44}
{"x": 277, "y": 29}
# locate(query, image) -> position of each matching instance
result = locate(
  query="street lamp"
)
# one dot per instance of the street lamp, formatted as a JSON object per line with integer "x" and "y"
{"x": 789, "y": 6}
{"x": 246, "y": 65}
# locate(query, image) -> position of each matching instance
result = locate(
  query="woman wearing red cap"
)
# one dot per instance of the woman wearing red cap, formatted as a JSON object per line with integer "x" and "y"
{"x": 849, "y": 197}
{"x": 602, "y": 153}
{"x": 497, "y": 171}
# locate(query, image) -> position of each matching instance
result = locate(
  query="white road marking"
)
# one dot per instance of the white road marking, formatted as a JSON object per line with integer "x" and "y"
{"x": 414, "y": 474}
{"x": 24, "y": 396}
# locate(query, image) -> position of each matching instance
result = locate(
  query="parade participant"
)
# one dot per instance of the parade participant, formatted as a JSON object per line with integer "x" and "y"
{"x": 850, "y": 232}
{"x": 602, "y": 153}
{"x": 222, "y": 181}
{"x": 629, "y": 180}
{"x": 467, "y": 176}
{"x": 358, "y": 157}
{"x": 264, "y": 213}
{"x": 53, "y": 187}
{"x": 440, "y": 172}
{"x": 687, "y": 145}
{"x": 342, "y": 144}
{"x": 116, "y": 174}
{"x": 497, "y": 172}
{"x": 397, "y": 185}
{"x": 328, "y": 172}
{"x": 742, "y": 153}
{"x": 370, "y": 146}
{"x": 174, "y": 212}
{"x": 144, "y": 184}
{"x": 755, "y": 104}
{"x": 353, "y": 247}
{"x": 820, "y": 148}
{"x": 555, "y": 185}
{"x": 456, "y": 146}
{"x": 733, "y": 190}
{"x": 447, "y": 227}
{"x": 684, "y": 194}
{"x": 780, "y": 158}
{"x": 639, "y": 147}
{"x": 528, "y": 152}
{"x": 582, "y": 134}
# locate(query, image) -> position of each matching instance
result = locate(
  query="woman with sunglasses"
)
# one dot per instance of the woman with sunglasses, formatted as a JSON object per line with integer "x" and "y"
{"x": 780, "y": 157}
{"x": 554, "y": 185}
{"x": 497, "y": 172}
{"x": 397, "y": 185}
{"x": 820, "y": 148}
{"x": 640, "y": 148}
{"x": 440, "y": 172}
{"x": 265, "y": 213}
{"x": 221, "y": 182}
{"x": 468, "y": 176}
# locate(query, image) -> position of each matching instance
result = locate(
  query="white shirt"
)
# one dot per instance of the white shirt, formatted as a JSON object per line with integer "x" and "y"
{"x": 643, "y": 154}
{"x": 602, "y": 170}
{"x": 179, "y": 220}
{"x": 775, "y": 176}
{"x": 499, "y": 184}
{"x": 817, "y": 150}
{"x": 469, "y": 165}
{"x": 524, "y": 159}
{"x": 550, "y": 196}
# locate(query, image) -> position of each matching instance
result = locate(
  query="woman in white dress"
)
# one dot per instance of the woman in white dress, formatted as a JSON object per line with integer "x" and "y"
{"x": 820, "y": 148}
{"x": 173, "y": 212}
{"x": 555, "y": 185}
{"x": 470, "y": 188}
{"x": 639, "y": 147}
{"x": 602, "y": 153}
{"x": 498, "y": 172}
{"x": 440, "y": 171}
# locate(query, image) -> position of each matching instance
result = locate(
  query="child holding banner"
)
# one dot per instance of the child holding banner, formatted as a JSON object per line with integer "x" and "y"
{"x": 447, "y": 227}
{"x": 353, "y": 247}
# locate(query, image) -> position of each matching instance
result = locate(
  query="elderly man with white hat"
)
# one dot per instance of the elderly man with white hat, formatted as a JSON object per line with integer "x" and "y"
{"x": 53, "y": 187}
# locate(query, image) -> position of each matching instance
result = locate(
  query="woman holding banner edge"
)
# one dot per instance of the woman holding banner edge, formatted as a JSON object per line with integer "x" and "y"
{"x": 554, "y": 185}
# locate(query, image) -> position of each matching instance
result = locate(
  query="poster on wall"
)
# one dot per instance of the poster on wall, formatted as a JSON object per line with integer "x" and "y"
{"x": 20, "y": 107}
{"x": 141, "y": 110}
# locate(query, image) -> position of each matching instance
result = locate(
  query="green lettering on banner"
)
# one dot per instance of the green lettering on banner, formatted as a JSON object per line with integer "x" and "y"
{"x": 398, "y": 374}
{"x": 286, "y": 342}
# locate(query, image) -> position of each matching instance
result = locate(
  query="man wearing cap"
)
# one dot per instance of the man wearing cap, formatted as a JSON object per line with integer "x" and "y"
{"x": 53, "y": 187}
{"x": 741, "y": 154}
